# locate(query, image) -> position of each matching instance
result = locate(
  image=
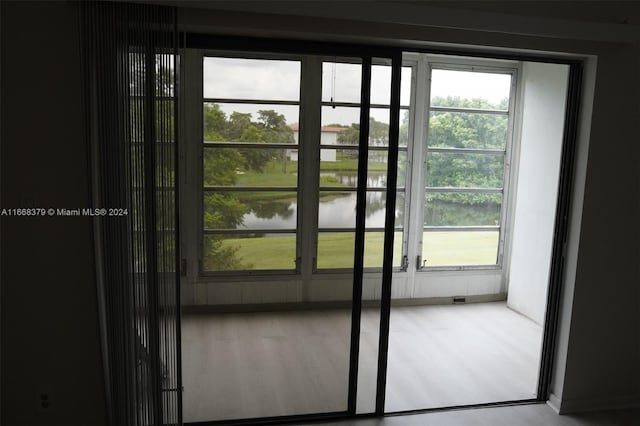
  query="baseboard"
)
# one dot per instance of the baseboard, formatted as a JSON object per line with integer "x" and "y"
{"x": 554, "y": 402}
{"x": 578, "y": 405}
{"x": 338, "y": 304}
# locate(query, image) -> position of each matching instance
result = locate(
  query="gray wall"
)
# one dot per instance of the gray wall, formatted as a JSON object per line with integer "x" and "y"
{"x": 544, "y": 88}
{"x": 49, "y": 320}
{"x": 603, "y": 367}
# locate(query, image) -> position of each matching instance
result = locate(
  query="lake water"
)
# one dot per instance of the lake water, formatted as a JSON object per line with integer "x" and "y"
{"x": 336, "y": 210}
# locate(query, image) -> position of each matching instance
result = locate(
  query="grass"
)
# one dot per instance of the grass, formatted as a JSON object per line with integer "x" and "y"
{"x": 460, "y": 248}
{"x": 275, "y": 175}
{"x": 335, "y": 250}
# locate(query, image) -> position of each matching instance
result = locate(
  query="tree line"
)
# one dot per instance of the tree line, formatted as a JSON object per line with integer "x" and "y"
{"x": 224, "y": 210}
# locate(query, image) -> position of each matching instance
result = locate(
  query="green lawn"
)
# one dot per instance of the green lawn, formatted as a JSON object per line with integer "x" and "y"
{"x": 277, "y": 174}
{"x": 460, "y": 248}
{"x": 335, "y": 250}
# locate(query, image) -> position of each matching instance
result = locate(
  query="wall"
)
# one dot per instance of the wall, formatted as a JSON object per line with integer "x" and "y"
{"x": 543, "y": 107}
{"x": 49, "y": 322}
{"x": 602, "y": 368}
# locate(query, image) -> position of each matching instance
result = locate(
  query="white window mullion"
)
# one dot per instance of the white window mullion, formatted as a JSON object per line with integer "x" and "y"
{"x": 509, "y": 194}
{"x": 419, "y": 163}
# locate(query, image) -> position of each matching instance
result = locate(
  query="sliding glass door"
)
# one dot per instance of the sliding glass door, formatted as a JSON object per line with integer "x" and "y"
{"x": 357, "y": 229}
{"x": 285, "y": 205}
{"x": 468, "y": 329}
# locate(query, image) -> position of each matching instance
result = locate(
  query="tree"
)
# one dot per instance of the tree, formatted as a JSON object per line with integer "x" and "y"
{"x": 222, "y": 210}
{"x": 275, "y": 130}
{"x": 225, "y": 210}
{"x": 237, "y": 126}
{"x": 378, "y": 133}
{"x": 254, "y": 159}
{"x": 215, "y": 123}
{"x": 466, "y": 130}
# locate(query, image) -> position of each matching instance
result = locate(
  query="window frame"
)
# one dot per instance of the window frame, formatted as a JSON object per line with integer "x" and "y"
{"x": 493, "y": 66}
{"x": 408, "y": 176}
{"x": 410, "y": 248}
{"x": 199, "y": 187}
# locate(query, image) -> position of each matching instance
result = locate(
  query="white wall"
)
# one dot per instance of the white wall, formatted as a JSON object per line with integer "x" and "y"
{"x": 328, "y": 138}
{"x": 544, "y": 88}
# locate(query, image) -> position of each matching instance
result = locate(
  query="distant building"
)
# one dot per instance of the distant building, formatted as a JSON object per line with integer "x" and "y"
{"x": 328, "y": 136}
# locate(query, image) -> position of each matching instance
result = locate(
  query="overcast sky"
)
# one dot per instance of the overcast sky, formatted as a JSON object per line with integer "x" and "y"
{"x": 280, "y": 80}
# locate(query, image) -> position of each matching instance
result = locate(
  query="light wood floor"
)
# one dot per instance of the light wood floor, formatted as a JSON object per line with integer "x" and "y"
{"x": 441, "y": 356}
{"x": 521, "y": 415}
{"x": 245, "y": 365}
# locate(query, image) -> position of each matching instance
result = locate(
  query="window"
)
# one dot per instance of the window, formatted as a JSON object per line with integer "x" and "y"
{"x": 257, "y": 152}
{"x": 466, "y": 162}
{"x": 340, "y": 133}
{"x": 249, "y": 159}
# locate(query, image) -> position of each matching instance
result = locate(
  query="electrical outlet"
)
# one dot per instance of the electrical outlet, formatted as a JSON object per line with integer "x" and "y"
{"x": 43, "y": 401}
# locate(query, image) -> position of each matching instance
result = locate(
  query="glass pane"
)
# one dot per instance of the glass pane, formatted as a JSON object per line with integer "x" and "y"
{"x": 345, "y": 118}
{"x": 377, "y": 167}
{"x": 379, "y": 126}
{"x": 369, "y": 343}
{"x": 405, "y": 86}
{"x": 445, "y": 169}
{"x": 338, "y": 209}
{"x": 467, "y": 130}
{"x": 341, "y": 82}
{"x": 249, "y": 252}
{"x": 250, "y": 167}
{"x": 400, "y": 211}
{"x": 462, "y": 209}
{"x": 240, "y": 78}
{"x": 255, "y": 123}
{"x": 469, "y": 89}
{"x": 460, "y": 248}
{"x": 344, "y": 122}
{"x": 402, "y": 169}
{"x": 340, "y": 168}
{"x": 250, "y": 210}
{"x": 342, "y": 125}
{"x": 405, "y": 123}
{"x": 381, "y": 85}
{"x": 336, "y": 249}
{"x": 374, "y": 249}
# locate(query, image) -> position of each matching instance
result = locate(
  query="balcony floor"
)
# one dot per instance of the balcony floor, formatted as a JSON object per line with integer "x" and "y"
{"x": 245, "y": 365}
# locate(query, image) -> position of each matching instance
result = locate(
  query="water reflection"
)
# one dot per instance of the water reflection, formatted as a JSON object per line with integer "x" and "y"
{"x": 336, "y": 210}
{"x": 282, "y": 217}
{"x": 340, "y": 212}
{"x": 351, "y": 180}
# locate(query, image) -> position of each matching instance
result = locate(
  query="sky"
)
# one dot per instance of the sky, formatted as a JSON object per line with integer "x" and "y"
{"x": 239, "y": 78}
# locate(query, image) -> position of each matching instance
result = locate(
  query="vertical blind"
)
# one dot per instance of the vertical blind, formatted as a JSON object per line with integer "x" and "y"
{"x": 130, "y": 62}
